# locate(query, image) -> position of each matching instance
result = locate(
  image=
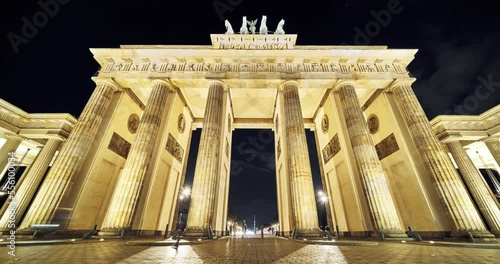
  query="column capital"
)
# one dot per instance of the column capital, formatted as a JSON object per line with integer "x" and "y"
{"x": 56, "y": 137}
{"x": 107, "y": 81}
{"x": 343, "y": 82}
{"x": 219, "y": 82}
{"x": 170, "y": 86}
{"x": 491, "y": 139}
{"x": 399, "y": 82}
{"x": 10, "y": 135}
{"x": 288, "y": 82}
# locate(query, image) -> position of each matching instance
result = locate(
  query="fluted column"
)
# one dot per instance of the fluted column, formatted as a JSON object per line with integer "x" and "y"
{"x": 452, "y": 193}
{"x": 299, "y": 167}
{"x": 478, "y": 187}
{"x": 12, "y": 142}
{"x": 25, "y": 192}
{"x": 382, "y": 207}
{"x": 493, "y": 144}
{"x": 71, "y": 157}
{"x": 207, "y": 165}
{"x": 123, "y": 203}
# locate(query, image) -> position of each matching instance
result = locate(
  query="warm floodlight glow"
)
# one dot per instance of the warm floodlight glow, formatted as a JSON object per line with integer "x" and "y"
{"x": 181, "y": 197}
{"x": 73, "y": 240}
{"x": 320, "y": 193}
{"x": 403, "y": 241}
{"x": 324, "y": 199}
{"x": 432, "y": 242}
{"x": 102, "y": 239}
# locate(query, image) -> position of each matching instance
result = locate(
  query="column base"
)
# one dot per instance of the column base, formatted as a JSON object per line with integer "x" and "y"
{"x": 496, "y": 233}
{"x": 314, "y": 233}
{"x": 483, "y": 236}
{"x": 114, "y": 232}
{"x": 195, "y": 233}
{"x": 391, "y": 235}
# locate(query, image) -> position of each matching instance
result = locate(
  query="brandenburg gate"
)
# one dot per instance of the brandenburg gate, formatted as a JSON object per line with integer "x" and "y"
{"x": 382, "y": 166}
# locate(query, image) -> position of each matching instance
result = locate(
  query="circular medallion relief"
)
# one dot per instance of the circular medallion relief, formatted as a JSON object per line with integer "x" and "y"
{"x": 133, "y": 123}
{"x": 229, "y": 123}
{"x": 181, "y": 123}
{"x": 373, "y": 124}
{"x": 325, "y": 124}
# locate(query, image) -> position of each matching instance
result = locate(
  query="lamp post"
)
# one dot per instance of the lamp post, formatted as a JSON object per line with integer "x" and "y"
{"x": 185, "y": 192}
{"x": 322, "y": 198}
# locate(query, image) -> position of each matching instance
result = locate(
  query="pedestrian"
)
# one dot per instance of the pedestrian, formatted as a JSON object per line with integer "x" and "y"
{"x": 262, "y": 232}
{"x": 177, "y": 235}
{"x": 244, "y": 227}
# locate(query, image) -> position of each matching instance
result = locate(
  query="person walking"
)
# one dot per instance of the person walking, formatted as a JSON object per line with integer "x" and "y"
{"x": 244, "y": 228}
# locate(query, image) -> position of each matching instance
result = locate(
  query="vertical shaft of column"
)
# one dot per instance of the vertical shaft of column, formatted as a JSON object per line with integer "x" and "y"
{"x": 122, "y": 205}
{"x": 382, "y": 207}
{"x": 452, "y": 193}
{"x": 25, "y": 192}
{"x": 299, "y": 167}
{"x": 493, "y": 145}
{"x": 71, "y": 157}
{"x": 207, "y": 164}
{"x": 478, "y": 187}
{"x": 13, "y": 141}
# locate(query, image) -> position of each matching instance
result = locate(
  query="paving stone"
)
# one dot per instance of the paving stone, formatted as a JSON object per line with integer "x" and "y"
{"x": 249, "y": 250}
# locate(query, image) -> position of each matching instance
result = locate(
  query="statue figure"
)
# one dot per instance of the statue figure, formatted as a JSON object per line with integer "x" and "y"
{"x": 244, "y": 29}
{"x": 263, "y": 27}
{"x": 252, "y": 24}
{"x": 279, "y": 29}
{"x": 229, "y": 28}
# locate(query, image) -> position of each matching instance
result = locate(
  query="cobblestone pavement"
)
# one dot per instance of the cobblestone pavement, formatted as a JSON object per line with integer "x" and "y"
{"x": 250, "y": 250}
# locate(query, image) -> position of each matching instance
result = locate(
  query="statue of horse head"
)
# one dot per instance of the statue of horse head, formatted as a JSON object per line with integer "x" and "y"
{"x": 229, "y": 28}
{"x": 263, "y": 27}
{"x": 279, "y": 29}
{"x": 244, "y": 29}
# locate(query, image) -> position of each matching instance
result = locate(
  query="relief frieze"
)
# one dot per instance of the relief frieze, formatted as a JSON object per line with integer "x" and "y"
{"x": 174, "y": 148}
{"x": 386, "y": 147}
{"x": 331, "y": 149}
{"x": 119, "y": 145}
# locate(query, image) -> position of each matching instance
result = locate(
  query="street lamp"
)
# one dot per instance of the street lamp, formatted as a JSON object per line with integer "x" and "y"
{"x": 322, "y": 199}
{"x": 184, "y": 194}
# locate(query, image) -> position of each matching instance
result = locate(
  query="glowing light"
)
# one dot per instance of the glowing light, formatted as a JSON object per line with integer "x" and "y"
{"x": 320, "y": 193}
{"x": 324, "y": 199}
{"x": 45, "y": 225}
{"x": 181, "y": 197}
{"x": 102, "y": 239}
{"x": 403, "y": 241}
{"x": 305, "y": 239}
{"x": 73, "y": 240}
{"x": 199, "y": 239}
{"x": 1, "y": 240}
{"x": 2, "y": 193}
{"x": 432, "y": 242}
{"x": 186, "y": 192}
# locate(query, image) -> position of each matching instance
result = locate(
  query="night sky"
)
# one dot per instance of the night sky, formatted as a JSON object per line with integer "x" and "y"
{"x": 49, "y": 70}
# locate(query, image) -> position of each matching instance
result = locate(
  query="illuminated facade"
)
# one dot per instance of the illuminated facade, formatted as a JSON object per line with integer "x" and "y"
{"x": 382, "y": 166}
